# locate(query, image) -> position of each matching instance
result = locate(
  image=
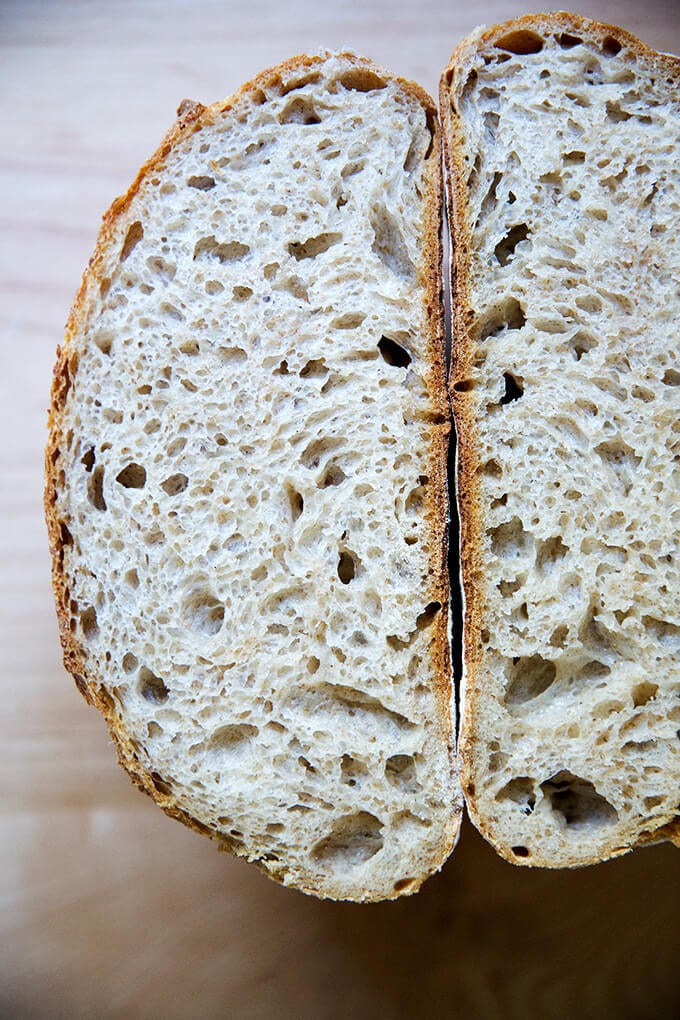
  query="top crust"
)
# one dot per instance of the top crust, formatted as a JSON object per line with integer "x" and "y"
{"x": 427, "y": 853}
{"x": 547, "y": 843}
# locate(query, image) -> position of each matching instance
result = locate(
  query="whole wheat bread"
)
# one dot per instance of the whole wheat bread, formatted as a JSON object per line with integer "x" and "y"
{"x": 562, "y": 138}
{"x": 246, "y": 491}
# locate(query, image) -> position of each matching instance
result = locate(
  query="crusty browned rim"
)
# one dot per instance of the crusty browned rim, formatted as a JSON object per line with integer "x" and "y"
{"x": 193, "y": 117}
{"x": 470, "y": 508}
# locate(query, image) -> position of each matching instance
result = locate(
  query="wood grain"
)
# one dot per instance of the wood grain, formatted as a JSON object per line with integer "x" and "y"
{"x": 108, "y": 909}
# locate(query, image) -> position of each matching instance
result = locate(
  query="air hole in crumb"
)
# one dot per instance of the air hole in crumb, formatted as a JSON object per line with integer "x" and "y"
{"x": 346, "y": 567}
{"x": 134, "y": 235}
{"x": 593, "y": 670}
{"x": 88, "y": 459}
{"x": 505, "y": 248}
{"x": 644, "y": 692}
{"x": 528, "y": 676}
{"x": 175, "y": 484}
{"x": 232, "y": 739}
{"x": 152, "y": 687}
{"x": 352, "y": 841}
{"x": 313, "y": 246}
{"x": 316, "y": 367}
{"x": 549, "y": 552}
{"x": 278, "y": 628}
{"x": 131, "y": 578}
{"x": 202, "y": 182}
{"x": 313, "y": 453}
{"x": 559, "y": 636}
{"x": 521, "y": 42}
{"x": 296, "y": 502}
{"x": 388, "y": 243}
{"x": 665, "y": 632}
{"x": 427, "y": 617}
{"x": 352, "y": 168}
{"x": 393, "y": 353}
{"x": 567, "y": 42}
{"x": 350, "y": 320}
{"x": 401, "y": 772}
{"x": 203, "y": 612}
{"x": 470, "y": 83}
{"x": 520, "y": 851}
{"x": 129, "y": 662}
{"x": 208, "y": 247}
{"x": 153, "y": 729}
{"x": 103, "y": 340}
{"x": 508, "y": 588}
{"x": 575, "y": 156}
{"x": 403, "y": 884}
{"x": 611, "y": 46}
{"x": 352, "y": 771}
{"x": 333, "y": 475}
{"x": 492, "y": 469}
{"x": 88, "y": 622}
{"x": 362, "y": 79}
{"x": 582, "y": 343}
{"x": 505, "y": 316}
{"x": 671, "y": 377}
{"x": 513, "y": 388}
{"x": 616, "y": 113}
{"x": 242, "y": 293}
{"x": 577, "y": 802}
{"x": 313, "y": 665}
{"x": 161, "y": 785}
{"x": 300, "y": 110}
{"x": 190, "y": 347}
{"x": 509, "y": 539}
{"x": 521, "y": 791}
{"x": 622, "y": 460}
{"x": 231, "y": 355}
{"x": 133, "y": 476}
{"x": 95, "y": 488}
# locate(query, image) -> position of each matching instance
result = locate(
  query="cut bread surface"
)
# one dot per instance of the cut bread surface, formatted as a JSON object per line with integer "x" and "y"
{"x": 247, "y": 480}
{"x": 562, "y": 139}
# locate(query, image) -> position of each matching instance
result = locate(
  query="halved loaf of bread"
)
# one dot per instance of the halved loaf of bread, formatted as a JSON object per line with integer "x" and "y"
{"x": 246, "y": 491}
{"x": 562, "y": 139}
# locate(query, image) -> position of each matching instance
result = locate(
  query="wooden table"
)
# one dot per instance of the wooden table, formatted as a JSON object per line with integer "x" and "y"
{"x": 109, "y": 909}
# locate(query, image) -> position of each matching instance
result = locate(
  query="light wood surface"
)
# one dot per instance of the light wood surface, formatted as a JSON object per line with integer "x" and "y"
{"x": 107, "y": 908}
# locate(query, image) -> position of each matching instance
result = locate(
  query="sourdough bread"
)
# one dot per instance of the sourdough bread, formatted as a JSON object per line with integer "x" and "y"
{"x": 246, "y": 480}
{"x": 562, "y": 139}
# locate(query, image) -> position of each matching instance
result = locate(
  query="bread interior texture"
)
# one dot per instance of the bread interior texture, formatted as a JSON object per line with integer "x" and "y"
{"x": 249, "y": 488}
{"x": 562, "y": 138}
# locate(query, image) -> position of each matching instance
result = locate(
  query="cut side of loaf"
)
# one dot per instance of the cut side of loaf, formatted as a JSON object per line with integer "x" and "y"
{"x": 246, "y": 480}
{"x": 562, "y": 140}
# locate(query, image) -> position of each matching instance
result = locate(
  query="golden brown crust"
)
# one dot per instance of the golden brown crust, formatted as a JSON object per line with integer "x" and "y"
{"x": 470, "y": 508}
{"x": 193, "y": 117}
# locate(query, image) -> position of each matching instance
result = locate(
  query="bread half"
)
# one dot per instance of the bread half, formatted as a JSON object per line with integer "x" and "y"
{"x": 562, "y": 139}
{"x": 246, "y": 480}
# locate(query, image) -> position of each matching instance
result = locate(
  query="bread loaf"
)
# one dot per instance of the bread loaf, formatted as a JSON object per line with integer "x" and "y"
{"x": 246, "y": 480}
{"x": 562, "y": 139}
